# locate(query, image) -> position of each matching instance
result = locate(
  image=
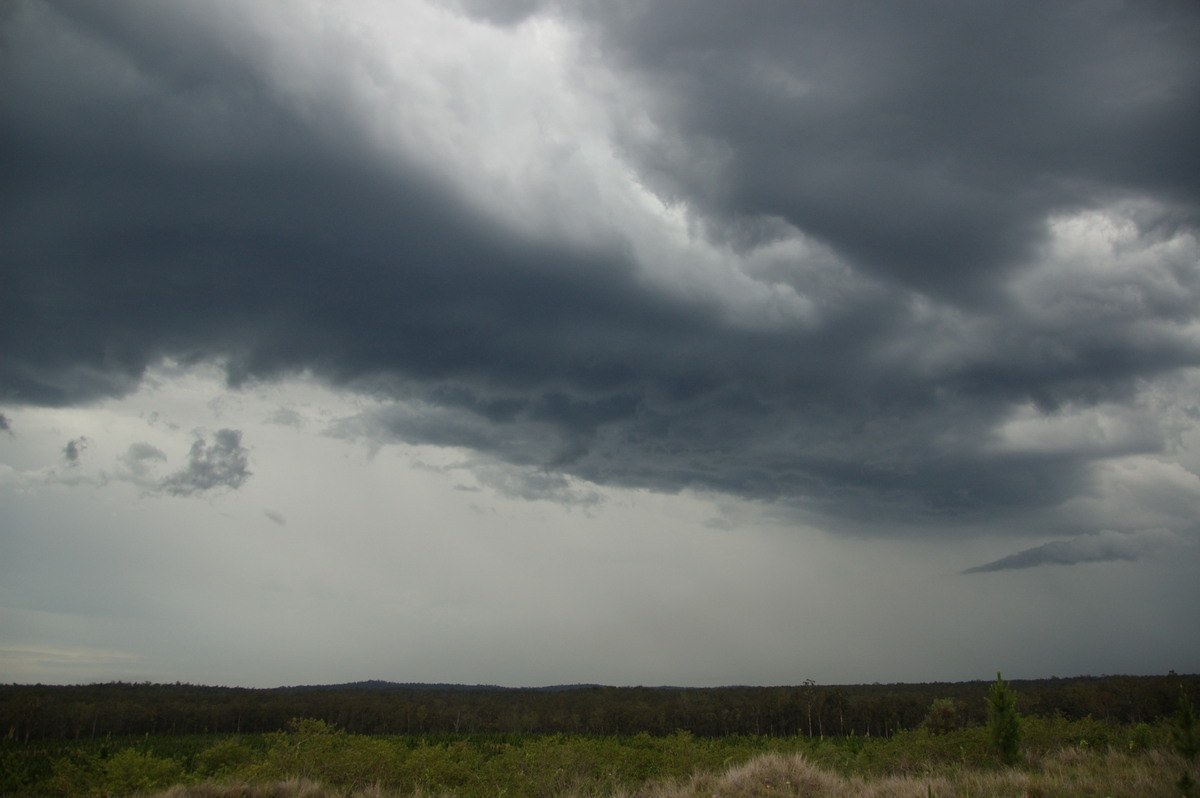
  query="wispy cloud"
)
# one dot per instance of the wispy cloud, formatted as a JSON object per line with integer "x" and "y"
{"x": 1105, "y": 546}
{"x": 140, "y": 458}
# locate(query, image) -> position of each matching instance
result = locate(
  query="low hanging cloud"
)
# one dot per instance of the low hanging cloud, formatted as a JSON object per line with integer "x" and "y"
{"x": 1105, "y": 546}
{"x": 534, "y": 485}
{"x": 5, "y": 426}
{"x": 211, "y": 466}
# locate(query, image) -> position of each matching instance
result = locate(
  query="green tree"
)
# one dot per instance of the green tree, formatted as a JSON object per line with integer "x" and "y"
{"x": 1185, "y": 733}
{"x": 1187, "y": 741}
{"x": 1004, "y": 724}
{"x": 131, "y": 771}
{"x": 942, "y": 717}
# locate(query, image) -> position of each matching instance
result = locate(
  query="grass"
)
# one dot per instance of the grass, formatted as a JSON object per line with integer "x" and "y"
{"x": 1059, "y": 759}
{"x": 1069, "y": 773}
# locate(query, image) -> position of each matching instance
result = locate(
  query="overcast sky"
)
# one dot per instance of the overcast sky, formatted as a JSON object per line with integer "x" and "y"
{"x": 528, "y": 343}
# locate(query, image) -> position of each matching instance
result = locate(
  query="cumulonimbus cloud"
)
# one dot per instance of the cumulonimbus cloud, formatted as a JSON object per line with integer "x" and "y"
{"x": 807, "y": 255}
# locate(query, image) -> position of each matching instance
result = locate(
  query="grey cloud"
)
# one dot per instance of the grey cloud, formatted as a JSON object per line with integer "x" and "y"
{"x": 276, "y": 517}
{"x": 220, "y": 464}
{"x": 139, "y": 458}
{"x": 286, "y": 417}
{"x": 927, "y": 142}
{"x": 139, "y": 452}
{"x": 499, "y": 12}
{"x": 1104, "y": 546}
{"x": 535, "y": 485}
{"x": 5, "y": 426}
{"x": 206, "y": 214}
{"x": 74, "y": 449}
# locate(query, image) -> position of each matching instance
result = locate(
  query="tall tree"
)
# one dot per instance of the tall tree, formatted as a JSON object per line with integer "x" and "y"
{"x": 1187, "y": 741}
{"x": 1004, "y": 724}
{"x": 1187, "y": 736}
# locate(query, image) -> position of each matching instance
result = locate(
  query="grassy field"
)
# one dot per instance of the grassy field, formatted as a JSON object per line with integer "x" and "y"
{"x": 313, "y": 759}
{"x": 1067, "y": 774}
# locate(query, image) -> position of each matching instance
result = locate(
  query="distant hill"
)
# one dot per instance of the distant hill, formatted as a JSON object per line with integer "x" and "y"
{"x": 441, "y": 687}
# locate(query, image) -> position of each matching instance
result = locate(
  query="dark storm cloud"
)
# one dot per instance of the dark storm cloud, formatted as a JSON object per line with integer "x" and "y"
{"x": 163, "y": 196}
{"x": 1099, "y": 547}
{"x": 4, "y": 425}
{"x": 925, "y": 141}
{"x": 211, "y": 466}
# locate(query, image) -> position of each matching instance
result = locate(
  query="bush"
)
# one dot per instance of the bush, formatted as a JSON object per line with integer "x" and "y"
{"x": 130, "y": 771}
{"x": 224, "y": 758}
{"x": 316, "y": 751}
{"x": 76, "y": 773}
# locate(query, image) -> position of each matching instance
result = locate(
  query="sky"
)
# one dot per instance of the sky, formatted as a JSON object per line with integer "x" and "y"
{"x": 534, "y": 342}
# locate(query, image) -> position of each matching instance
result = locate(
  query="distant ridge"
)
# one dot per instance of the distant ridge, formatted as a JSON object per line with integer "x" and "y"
{"x": 440, "y": 687}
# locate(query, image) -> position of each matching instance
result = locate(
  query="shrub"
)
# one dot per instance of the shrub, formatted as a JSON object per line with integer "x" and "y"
{"x": 224, "y": 758}
{"x": 76, "y": 773}
{"x": 130, "y": 771}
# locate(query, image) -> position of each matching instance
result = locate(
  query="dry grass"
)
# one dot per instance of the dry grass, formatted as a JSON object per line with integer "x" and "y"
{"x": 288, "y": 788}
{"x": 1070, "y": 773}
{"x": 1066, "y": 774}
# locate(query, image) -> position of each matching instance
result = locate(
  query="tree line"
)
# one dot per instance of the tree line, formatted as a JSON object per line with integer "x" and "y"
{"x": 36, "y": 712}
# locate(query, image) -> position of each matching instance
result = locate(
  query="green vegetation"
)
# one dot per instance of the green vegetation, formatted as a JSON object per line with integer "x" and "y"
{"x": 1004, "y": 724}
{"x": 942, "y": 717}
{"x": 945, "y": 748}
{"x": 40, "y": 712}
{"x": 1187, "y": 741}
{"x": 314, "y": 759}
{"x": 1185, "y": 733}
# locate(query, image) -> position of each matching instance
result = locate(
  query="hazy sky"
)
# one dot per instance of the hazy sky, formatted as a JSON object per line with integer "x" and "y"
{"x": 638, "y": 342}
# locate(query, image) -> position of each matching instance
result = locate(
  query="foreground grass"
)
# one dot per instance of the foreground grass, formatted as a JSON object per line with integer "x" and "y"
{"x": 314, "y": 760}
{"x": 1066, "y": 774}
{"x": 1070, "y": 773}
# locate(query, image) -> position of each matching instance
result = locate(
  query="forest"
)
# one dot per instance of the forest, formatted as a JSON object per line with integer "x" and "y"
{"x": 1110, "y": 735}
{"x": 38, "y": 712}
